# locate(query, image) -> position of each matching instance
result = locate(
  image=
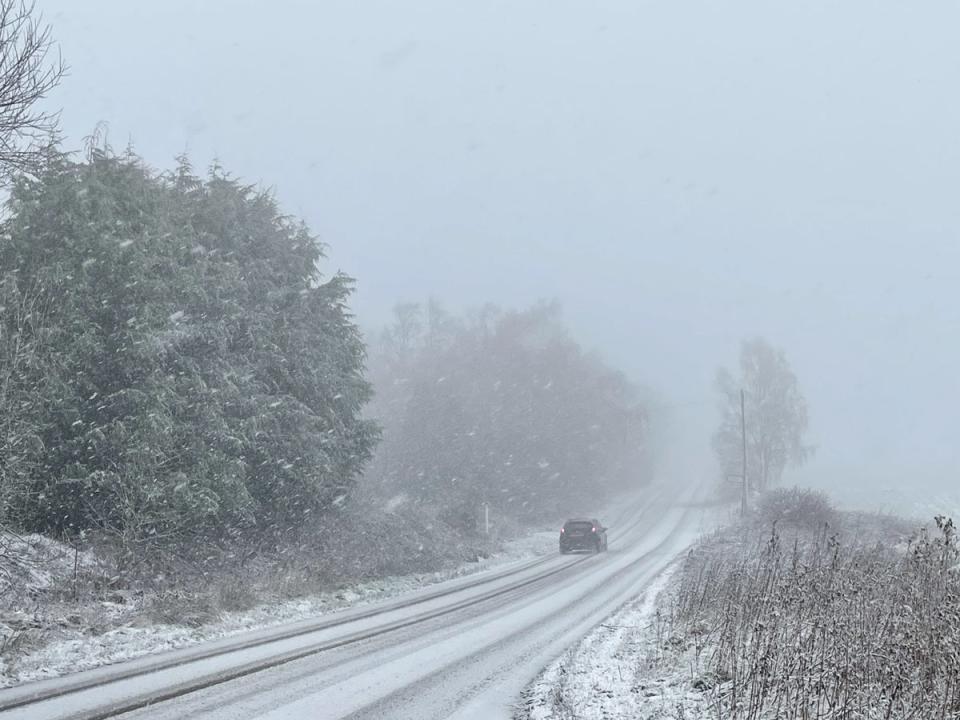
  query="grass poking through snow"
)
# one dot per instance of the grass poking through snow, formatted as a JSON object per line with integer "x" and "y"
{"x": 826, "y": 616}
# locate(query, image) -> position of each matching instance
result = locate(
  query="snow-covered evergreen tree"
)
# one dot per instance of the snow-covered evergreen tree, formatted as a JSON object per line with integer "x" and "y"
{"x": 198, "y": 377}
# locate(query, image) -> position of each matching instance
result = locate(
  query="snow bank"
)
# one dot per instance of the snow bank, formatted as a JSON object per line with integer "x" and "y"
{"x": 614, "y": 672}
{"x": 29, "y": 563}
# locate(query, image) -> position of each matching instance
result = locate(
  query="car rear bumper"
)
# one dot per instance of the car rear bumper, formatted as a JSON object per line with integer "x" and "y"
{"x": 587, "y": 543}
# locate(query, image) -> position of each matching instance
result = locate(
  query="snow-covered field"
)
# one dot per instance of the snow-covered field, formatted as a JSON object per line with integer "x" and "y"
{"x": 905, "y": 501}
{"x": 614, "y": 672}
{"x": 74, "y": 648}
{"x": 922, "y": 495}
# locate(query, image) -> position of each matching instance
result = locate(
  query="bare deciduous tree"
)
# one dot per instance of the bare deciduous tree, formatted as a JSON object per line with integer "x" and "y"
{"x": 27, "y": 75}
{"x": 776, "y": 415}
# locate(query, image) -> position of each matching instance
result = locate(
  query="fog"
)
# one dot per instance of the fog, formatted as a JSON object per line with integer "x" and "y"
{"x": 681, "y": 175}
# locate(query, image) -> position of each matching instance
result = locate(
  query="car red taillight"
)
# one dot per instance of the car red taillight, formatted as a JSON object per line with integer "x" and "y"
{"x": 593, "y": 530}
{"x": 561, "y": 530}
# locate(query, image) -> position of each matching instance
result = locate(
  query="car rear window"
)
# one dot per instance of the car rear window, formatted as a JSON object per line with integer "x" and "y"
{"x": 584, "y": 525}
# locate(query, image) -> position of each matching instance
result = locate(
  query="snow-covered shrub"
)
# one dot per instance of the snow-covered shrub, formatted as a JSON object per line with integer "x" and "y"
{"x": 180, "y": 607}
{"x": 798, "y": 507}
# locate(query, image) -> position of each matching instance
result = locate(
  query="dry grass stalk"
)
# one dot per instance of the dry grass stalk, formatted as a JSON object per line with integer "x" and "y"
{"x": 822, "y": 624}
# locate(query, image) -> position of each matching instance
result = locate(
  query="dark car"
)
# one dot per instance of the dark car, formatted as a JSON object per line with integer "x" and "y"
{"x": 583, "y": 534}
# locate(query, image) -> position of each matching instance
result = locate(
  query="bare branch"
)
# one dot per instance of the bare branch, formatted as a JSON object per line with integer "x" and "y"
{"x": 27, "y": 75}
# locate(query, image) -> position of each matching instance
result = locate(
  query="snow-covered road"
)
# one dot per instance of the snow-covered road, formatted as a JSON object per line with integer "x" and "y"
{"x": 462, "y": 649}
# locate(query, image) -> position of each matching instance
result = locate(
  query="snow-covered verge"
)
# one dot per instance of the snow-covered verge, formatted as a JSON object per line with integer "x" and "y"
{"x": 52, "y": 641}
{"x": 618, "y": 671}
{"x": 798, "y": 612}
{"x": 36, "y": 562}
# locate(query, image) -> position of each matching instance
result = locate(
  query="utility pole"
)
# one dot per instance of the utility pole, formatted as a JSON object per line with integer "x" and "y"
{"x": 486, "y": 518}
{"x": 743, "y": 437}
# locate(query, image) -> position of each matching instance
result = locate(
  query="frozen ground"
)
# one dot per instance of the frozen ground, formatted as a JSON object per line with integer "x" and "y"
{"x": 75, "y": 648}
{"x": 615, "y": 672}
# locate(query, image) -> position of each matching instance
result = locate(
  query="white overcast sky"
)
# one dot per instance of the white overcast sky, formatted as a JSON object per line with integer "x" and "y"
{"x": 679, "y": 174}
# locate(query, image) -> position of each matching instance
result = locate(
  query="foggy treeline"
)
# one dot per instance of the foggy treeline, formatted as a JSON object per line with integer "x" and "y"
{"x": 500, "y": 408}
